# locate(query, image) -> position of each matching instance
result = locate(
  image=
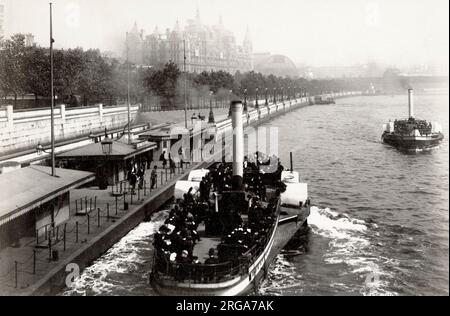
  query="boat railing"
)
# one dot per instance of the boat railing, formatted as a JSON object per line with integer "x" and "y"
{"x": 201, "y": 273}
{"x": 198, "y": 273}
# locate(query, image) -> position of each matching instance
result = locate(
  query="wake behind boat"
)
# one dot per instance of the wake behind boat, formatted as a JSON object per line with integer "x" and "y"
{"x": 219, "y": 237}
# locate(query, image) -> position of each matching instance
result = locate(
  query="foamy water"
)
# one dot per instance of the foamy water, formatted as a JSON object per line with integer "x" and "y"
{"x": 128, "y": 260}
{"x": 347, "y": 245}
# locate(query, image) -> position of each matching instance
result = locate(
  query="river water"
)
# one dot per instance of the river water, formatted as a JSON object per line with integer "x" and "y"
{"x": 379, "y": 225}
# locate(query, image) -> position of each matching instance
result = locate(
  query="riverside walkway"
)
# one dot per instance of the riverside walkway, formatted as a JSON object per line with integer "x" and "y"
{"x": 23, "y": 267}
{"x": 37, "y": 266}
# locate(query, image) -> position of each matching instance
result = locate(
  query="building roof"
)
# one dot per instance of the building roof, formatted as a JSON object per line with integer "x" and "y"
{"x": 120, "y": 150}
{"x": 168, "y": 132}
{"x": 278, "y": 65}
{"x": 27, "y": 188}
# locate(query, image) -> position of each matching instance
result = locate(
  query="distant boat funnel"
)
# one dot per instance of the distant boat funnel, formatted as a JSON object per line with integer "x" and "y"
{"x": 238, "y": 145}
{"x": 411, "y": 102}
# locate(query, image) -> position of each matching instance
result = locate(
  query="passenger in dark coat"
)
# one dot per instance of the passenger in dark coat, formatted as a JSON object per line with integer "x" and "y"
{"x": 203, "y": 190}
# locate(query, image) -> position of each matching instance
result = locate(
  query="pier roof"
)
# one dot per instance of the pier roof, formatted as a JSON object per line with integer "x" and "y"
{"x": 25, "y": 189}
{"x": 166, "y": 132}
{"x": 120, "y": 150}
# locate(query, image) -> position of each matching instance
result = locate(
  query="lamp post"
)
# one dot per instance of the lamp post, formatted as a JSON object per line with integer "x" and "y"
{"x": 282, "y": 94}
{"x": 229, "y": 111}
{"x": 267, "y": 97}
{"x": 289, "y": 93}
{"x": 128, "y": 92}
{"x": 245, "y": 101}
{"x": 274, "y": 95}
{"x": 256, "y": 94}
{"x": 185, "y": 83}
{"x": 211, "y": 113}
{"x": 106, "y": 150}
{"x": 52, "y": 94}
{"x": 107, "y": 146}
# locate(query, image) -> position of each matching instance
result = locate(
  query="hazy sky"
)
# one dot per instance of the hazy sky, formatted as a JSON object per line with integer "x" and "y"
{"x": 313, "y": 32}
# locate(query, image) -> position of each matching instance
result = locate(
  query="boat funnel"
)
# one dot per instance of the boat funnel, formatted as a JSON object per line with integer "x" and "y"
{"x": 238, "y": 145}
{"x": 411, "y": 102}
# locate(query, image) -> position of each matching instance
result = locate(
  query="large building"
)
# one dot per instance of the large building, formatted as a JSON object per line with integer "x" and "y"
{"x": 2, "y": 19}
{"x": 277, "y": 65}
{"x": 207, "y": 48}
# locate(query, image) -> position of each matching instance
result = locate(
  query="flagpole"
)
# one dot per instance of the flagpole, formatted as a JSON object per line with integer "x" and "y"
{"x": 185, "y": 84}
{"x": 52, "y": 95}
{"x": 128, "y": 95}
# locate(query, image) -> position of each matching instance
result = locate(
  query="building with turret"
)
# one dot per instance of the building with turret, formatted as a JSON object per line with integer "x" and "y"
{"x": 206, "y": 48}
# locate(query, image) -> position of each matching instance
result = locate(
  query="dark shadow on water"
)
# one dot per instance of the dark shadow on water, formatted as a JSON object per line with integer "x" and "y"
{"x": 298, "y": 243}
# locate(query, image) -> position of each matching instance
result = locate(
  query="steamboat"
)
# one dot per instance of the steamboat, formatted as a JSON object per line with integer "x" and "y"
{"x": 412, "y": 134}
{"x": 322, "y": 100}
{"x": 222, "y": 234}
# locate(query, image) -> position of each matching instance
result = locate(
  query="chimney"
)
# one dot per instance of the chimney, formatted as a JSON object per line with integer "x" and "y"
{"x": 411, "y": 102}
{"x": 238, "y": 145}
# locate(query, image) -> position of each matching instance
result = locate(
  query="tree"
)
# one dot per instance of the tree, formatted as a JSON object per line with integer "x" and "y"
{"x": 12, "y": 65}
{"x": 252, "y": 80}
{"x": 164, "y": 82}
{"x": 37, "y": 72}
{"x": 93, "y": 83}
{"x": 68, "y": 69}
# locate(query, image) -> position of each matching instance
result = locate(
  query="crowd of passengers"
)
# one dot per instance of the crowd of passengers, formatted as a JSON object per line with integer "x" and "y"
{"x": 406, "y": 127}
{"x": 250, "y": 238}
{"x": 177, "y": 238}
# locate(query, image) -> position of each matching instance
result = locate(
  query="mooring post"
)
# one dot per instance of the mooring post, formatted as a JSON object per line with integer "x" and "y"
{"x": 64, "y": 236}
{"x": 107, "y": 212}
{"x": 76, "y": 232}
{"x": 89, "y": 223}
{"x": 34, "y": 261}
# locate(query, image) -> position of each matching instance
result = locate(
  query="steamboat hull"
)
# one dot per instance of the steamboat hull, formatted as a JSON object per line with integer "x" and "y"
{"x": 413, "y": 143}
{"x": 239, "y": 285}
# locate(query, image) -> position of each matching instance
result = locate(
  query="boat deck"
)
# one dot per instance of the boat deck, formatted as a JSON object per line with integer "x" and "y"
{"x": 201, "y": 249}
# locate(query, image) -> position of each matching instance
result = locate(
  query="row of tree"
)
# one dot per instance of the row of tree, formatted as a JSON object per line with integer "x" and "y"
{"x": 80, "y": 77}
{"x": 87, "y": 77}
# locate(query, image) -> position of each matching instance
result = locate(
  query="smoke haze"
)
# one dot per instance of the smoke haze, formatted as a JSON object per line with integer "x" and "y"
{"x": 317, "y": 33}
